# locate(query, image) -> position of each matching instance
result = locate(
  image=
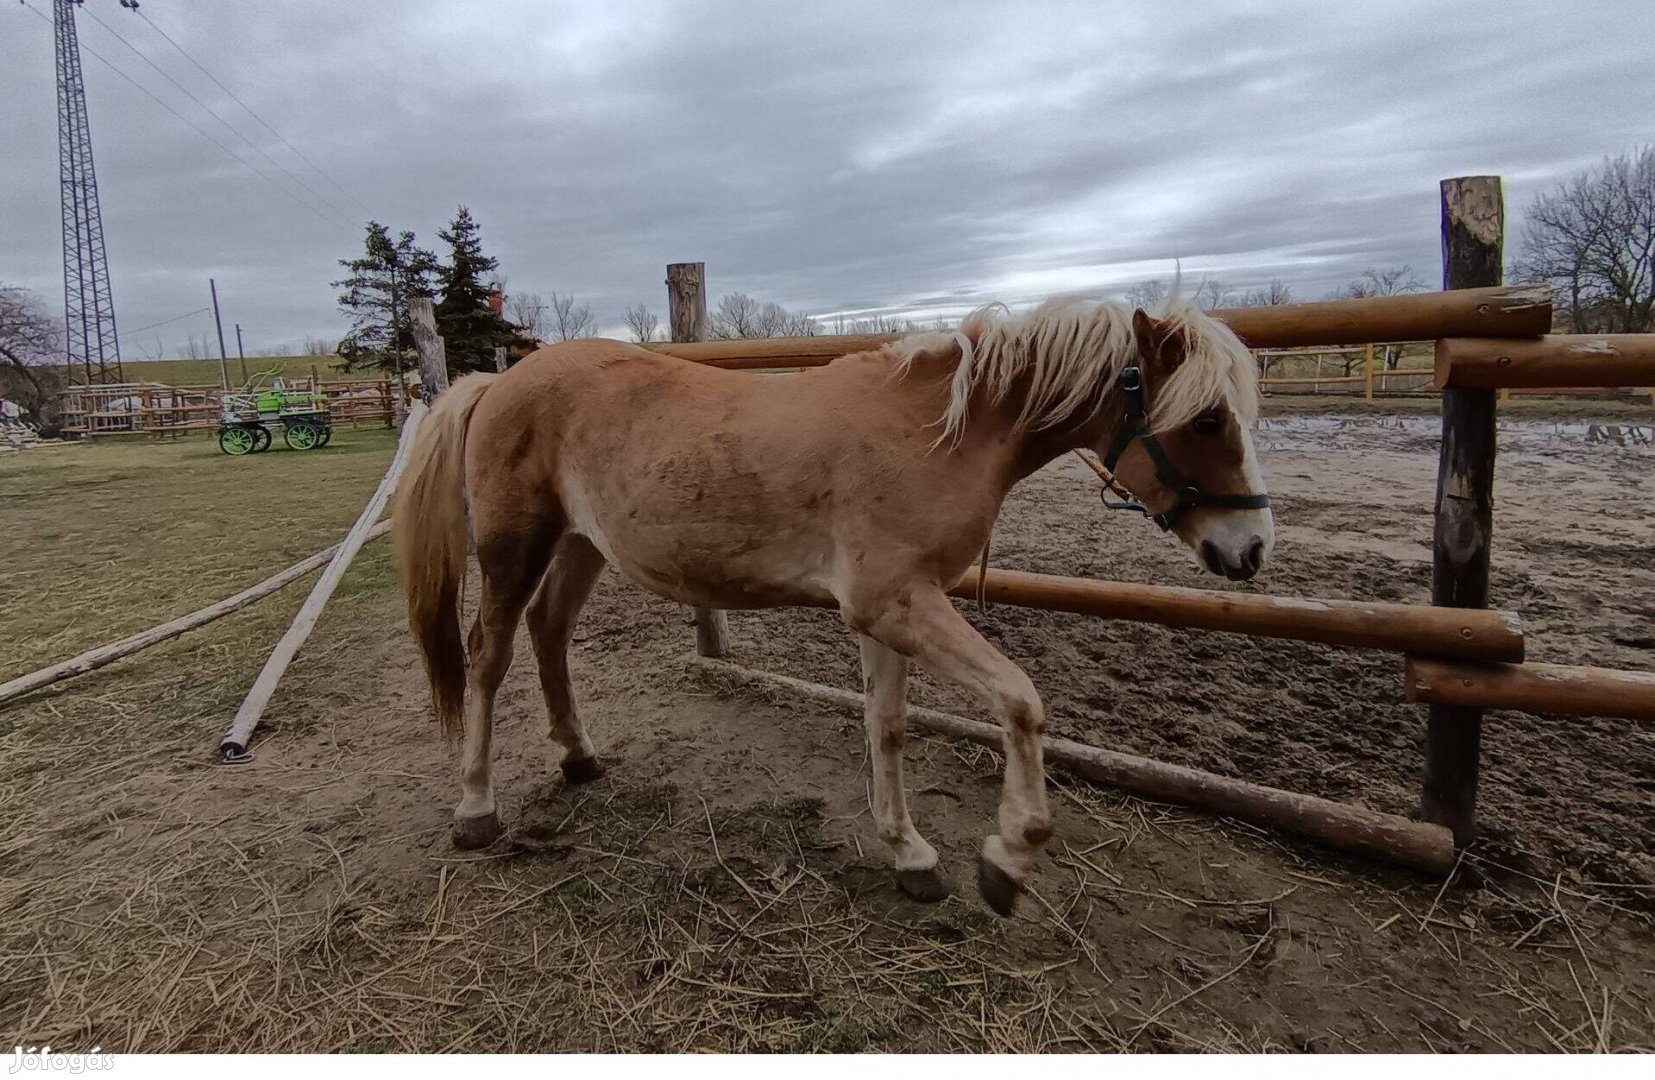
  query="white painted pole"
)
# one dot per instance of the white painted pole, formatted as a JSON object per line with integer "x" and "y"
{"x": 233, "y": 746}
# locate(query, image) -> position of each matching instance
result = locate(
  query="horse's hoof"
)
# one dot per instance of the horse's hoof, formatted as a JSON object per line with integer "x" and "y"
{"x": 582, "y": 771}
{"x": 927, "y": 886}
{"x": 471, "y": 833}
{"x": 998, "y": 889}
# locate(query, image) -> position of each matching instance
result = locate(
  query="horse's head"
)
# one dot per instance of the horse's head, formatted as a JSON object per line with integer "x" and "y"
{"x": 1182, "y": 441}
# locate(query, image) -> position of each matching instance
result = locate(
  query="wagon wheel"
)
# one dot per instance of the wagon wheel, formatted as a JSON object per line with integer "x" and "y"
{"x": 302, "y": 436}
{"x": 237, "y": 441}
{"x": 264, "y": 440}
{"x": 327, "y": 437}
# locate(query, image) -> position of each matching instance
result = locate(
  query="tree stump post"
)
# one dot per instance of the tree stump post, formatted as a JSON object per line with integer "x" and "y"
{"x": 433, "y": 354}
{"x": 1473, "y": 231}
{"x": 687, "y": 316}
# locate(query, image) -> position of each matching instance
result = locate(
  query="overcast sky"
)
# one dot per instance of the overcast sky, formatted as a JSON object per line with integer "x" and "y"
{"x": 897, "y": 157}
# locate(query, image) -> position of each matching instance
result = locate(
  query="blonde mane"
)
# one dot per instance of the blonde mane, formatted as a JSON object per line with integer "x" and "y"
{"x": 1071, "y": 351}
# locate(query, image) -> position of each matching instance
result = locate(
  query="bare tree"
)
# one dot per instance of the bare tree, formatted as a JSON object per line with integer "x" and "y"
{"x": 1593, "y": 238}
{"x": 879, "y": 324}
{"x": 643, "y": 323}
{"x": 1382, "y": 281}
{"x": 738, "y": 315}
{"x": 1274, "y": 294}
{"x": 528, "y": 310}
{"x": 196, "y": 347}
{"x": 30, "y": 344}
{"x": 1148, "y": 295}
{"x": 1211, "y": 294}
{"x": 735, "y": 316}
{"x": 567, "y": 319}
{"x": 319, "y": 346}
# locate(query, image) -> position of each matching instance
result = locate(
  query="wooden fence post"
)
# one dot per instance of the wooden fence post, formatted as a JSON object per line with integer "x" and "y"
{"x": 1473, "y": 233}
{"x": 1367, "y": 372}
{"x": 687, "y": 317}
{"x": 433, "y": 355}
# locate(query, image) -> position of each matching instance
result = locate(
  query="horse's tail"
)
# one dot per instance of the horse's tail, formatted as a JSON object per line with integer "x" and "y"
{"x": 430, "y": 538}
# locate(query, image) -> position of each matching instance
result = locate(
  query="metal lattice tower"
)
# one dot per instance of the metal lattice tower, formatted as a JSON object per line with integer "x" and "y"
{"x": 88, "y": 311}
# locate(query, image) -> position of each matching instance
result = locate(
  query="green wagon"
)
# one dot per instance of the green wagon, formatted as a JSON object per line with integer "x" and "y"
{"x": 248, "y": 415}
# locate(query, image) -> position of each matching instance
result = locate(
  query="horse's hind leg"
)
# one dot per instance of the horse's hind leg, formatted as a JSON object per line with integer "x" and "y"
{"x": 885, "y": 686}
{"x": 576, "y": 565}
{"x": 511, "y": 564}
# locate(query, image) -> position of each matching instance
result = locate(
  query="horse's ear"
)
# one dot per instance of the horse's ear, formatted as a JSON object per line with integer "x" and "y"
{"x": 1147, "y": 335}
{"x": 1143, "y": 328}
{"x": 1160, "y": 344}
{"x": 973, "y": 326}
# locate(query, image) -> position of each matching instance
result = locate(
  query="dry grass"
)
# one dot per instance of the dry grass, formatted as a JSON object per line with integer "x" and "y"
{"x": 154, "y": 901}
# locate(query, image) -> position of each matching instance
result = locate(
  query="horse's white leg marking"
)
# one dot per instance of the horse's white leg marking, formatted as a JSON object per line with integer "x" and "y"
{"x": 576, "y": 564}
{"x": 938, "y": 638}
{"x": 508, "y": 577}
{"x": 490, "y": 657}
{"x": 885, "y": 688}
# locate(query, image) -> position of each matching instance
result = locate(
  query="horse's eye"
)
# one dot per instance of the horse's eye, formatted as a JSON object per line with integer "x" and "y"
{"x": 1208, "y": 424}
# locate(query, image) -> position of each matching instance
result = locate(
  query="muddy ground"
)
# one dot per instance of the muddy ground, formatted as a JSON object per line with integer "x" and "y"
{"x": 720, "y": 888}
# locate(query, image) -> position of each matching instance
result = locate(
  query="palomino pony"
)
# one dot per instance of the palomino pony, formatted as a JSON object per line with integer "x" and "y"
{"x": 869, "y": 484}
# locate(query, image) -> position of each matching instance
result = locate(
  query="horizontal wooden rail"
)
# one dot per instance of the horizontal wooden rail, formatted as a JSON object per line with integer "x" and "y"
{"x": 1507, "y": 311}
{"x": 1308, "y": 380}
{"x": 1562, "y": 361}
{"x": 1341, "y": 825}
{"x": 1462, "y": 633}
{"x": 1532, "y": 688}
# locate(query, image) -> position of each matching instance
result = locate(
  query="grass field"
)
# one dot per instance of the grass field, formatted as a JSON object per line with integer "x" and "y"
{"x": 115, "y": 537}
{"x": 206, "y": 372}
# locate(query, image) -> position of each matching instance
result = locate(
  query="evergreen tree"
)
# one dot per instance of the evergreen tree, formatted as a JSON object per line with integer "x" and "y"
{"x": 470, "y": 329}
{"x": 375, "y": 299}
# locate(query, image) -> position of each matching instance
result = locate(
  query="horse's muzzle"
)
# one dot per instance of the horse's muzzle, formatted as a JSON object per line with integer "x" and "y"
{"x": 1242, "y": 568}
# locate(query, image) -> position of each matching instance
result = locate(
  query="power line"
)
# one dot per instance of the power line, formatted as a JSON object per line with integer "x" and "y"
{"x": 175, "y": 318}
{"x": 193, "y": 125}
{"x": 266, "y": 124}
{"x": 210, "y": 111}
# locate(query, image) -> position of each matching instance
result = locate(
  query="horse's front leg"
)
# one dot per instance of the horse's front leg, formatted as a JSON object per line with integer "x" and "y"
{"x": 885, "y": 697}
{"x": 920, "y": 623}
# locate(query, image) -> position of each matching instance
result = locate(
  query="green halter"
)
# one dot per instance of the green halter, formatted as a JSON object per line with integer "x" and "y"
{"x": 1135, "y": 426}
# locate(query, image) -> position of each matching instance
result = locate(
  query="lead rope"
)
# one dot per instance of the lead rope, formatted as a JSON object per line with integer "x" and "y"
{"x": 982, "y": 574}
{"x": 982, "y": 563}
{"x": 1105, "y": 475}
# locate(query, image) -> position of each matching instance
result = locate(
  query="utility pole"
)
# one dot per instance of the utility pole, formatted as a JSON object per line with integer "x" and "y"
{"x": 241, "y": 355}
{"x": 223, "y": 356}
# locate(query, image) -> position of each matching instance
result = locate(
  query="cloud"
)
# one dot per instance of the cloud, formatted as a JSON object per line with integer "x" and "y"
{"x": 919, "y": 157}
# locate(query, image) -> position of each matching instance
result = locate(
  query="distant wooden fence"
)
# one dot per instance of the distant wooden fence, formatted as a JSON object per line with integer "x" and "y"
{"x": 158, "y": 409}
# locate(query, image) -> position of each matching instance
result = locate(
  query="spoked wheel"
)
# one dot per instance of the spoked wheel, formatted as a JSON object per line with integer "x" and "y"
{"x": 303, "y": 436}
{"x": 264, "y": 441}
{"x": 237, "y": 441}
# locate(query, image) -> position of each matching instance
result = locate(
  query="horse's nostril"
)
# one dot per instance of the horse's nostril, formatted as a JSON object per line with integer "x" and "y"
{"x": 1255, "y": 555}
{"x": 1209, "y": 557}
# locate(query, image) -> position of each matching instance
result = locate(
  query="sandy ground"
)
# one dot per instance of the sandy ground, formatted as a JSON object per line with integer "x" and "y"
{"x": 720, "y": 888}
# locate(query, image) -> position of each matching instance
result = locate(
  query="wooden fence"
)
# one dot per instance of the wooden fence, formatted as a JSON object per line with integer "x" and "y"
{"x": 1460, "y": 657}
{"x": 158, "y": 409}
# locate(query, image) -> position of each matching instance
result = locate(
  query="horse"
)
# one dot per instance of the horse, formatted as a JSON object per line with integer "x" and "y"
{"x": 868, "y": 485}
